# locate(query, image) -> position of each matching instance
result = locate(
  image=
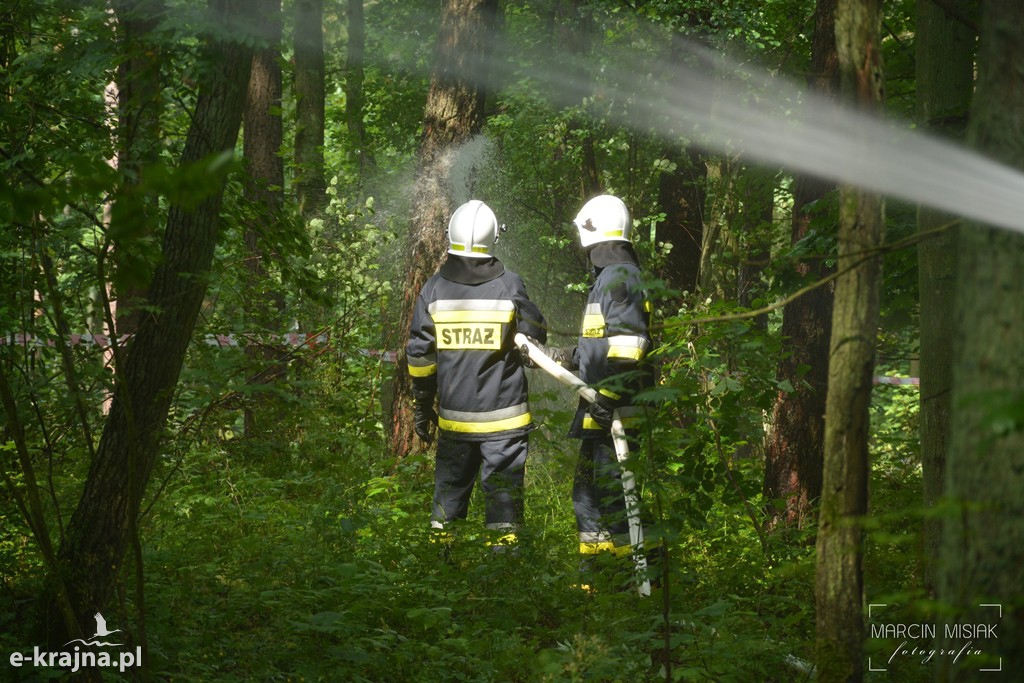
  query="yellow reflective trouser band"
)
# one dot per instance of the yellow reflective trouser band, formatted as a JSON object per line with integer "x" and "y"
{"x": 500, "y": 420}
{"x": 595, "y": 548}
{"x": 505, "y": 539}
{"x": 605, "y": 547}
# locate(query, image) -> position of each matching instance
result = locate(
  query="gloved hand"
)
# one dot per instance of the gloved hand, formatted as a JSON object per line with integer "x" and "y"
{"x": 423, "y": 418}
{"x": 527, "y": 363}
{"x": 602, "y": 410}
{"x": 564, "y": 356}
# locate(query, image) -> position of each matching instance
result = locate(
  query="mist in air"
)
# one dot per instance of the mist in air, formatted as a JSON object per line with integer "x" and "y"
{"x": 705, "y": 98}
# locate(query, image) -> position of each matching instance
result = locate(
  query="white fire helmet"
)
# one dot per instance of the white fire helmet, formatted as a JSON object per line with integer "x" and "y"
{"x": 473, "y": 230}
{"x": 603, "y": 219}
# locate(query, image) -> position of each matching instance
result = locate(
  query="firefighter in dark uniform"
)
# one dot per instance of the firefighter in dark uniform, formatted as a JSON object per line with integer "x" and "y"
{"x": 462, "y": 352}
{"x": 614, "y": 340}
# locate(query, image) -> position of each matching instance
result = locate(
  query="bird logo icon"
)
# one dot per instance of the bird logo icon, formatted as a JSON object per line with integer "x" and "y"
{"x": 101, "y": 632}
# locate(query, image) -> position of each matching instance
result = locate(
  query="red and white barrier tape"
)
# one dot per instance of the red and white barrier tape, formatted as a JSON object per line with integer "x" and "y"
{"x": 902, "y": 381}
{"x": 220, "y": 340}
{"x": 290, "y": 339}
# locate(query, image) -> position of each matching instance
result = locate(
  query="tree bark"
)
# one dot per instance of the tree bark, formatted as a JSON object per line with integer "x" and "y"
{"x": 134, "y": 213}
{"x": 983, "y": 543}
{"x": 796, "y": 445}
{"x": 358, "y": 152}
{"x": 945, "y": 84}
{"x": 453, "y": 113}
{"x": 98, "y": 532}
{"x": 310, "y": 182}
{"x": 844, "y": 500}
{"x": 682, "y": 194}
{"x": 263, "y": 135}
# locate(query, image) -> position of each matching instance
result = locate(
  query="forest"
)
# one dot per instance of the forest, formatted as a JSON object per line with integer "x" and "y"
{"x": 216, "y": 216}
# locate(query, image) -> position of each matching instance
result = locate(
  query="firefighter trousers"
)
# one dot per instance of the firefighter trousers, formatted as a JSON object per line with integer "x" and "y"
{"x": 501, "y": 464}
{"x": 597, "y": 497}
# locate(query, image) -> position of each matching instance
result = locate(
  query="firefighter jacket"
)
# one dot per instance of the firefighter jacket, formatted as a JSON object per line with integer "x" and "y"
{"x": 461, "y": 345}
{"x": 615, "y": 335}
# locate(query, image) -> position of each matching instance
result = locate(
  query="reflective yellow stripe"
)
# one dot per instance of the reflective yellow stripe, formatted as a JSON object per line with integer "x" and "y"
{"x": 455, "y": 246}
{"x": 609, "y": 394}
{"x": 622, "y": 550}
{"x": 422, "y": 366}
{"x": 595, "y": 548}
{"x": 593, "y": 322}
{"x": 473, "y": 316}
{"x": 505, "y": 539}
{"x": 474, "y": 335}
{"x": 631, "y": 417}
{"x": 628, "y": 346}
{"x": 630, "y": 352}
{"x": 485, "y": 427}
{"x": 422, "y": 370}
{"x": 472, "y": 310}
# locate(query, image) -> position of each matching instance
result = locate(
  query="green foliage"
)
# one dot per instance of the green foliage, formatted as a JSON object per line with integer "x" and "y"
{"x": 301, "y": 550}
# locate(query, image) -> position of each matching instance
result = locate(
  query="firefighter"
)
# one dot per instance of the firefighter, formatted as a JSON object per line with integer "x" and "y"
{"x": 614, "y": 340}
{"x": 461, "y": 351}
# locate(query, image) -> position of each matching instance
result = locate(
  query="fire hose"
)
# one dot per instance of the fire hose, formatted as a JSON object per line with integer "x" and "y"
{"x": 636, "y": 531}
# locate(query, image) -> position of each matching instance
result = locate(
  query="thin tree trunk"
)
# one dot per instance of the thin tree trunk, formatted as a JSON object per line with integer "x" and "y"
{"x": 983, "y": 543}
{"x": 840, "y": 549}
{"x": 310, "y": 183}
{"x": 945, "y": 85}
{"x": 359, "y": 152}
{"x": 796, "y": 444}
{"x": 263, "y": 135}
{"x": 139, "y": 96}
{"x": 453, "y": 113}
{"x": 682, "y": 194}
{"x": 99, "y": 529}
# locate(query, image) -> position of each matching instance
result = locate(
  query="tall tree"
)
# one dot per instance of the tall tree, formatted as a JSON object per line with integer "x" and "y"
{"x": 944, "y": 49}
{"x": 682, "y": 188}
{"x": 310, "y": 182}
{"x": 796, "y": 445}
{"x": 572, "y": 26}
{"x": 99, "y": 530}
{"x": 839, "y": 577}
{"x": 263, "y": 135}
{"x": 359, "y": 151}
{"x": 139, "y": 106}
{"x": 453, "y": 113}
{"x": 983, "y": 543}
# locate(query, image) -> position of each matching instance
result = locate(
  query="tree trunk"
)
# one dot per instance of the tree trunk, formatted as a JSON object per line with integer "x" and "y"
{"x": 796, "y": 444}
{"x": 945, "y": 84}
{"x": 310, "y": 183}
{"x": 263, "y": 135}
{"x": 139, "y": 105}
{"x": 983, "y": 543}
{"x": 453, "y": 113}
{"x": 98, "y": 532}
{"x": 682, "y": 194}
{"x": 844, "y": 500}
{"x": 573, "y": 30}
{"x": 358, "y": 152}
